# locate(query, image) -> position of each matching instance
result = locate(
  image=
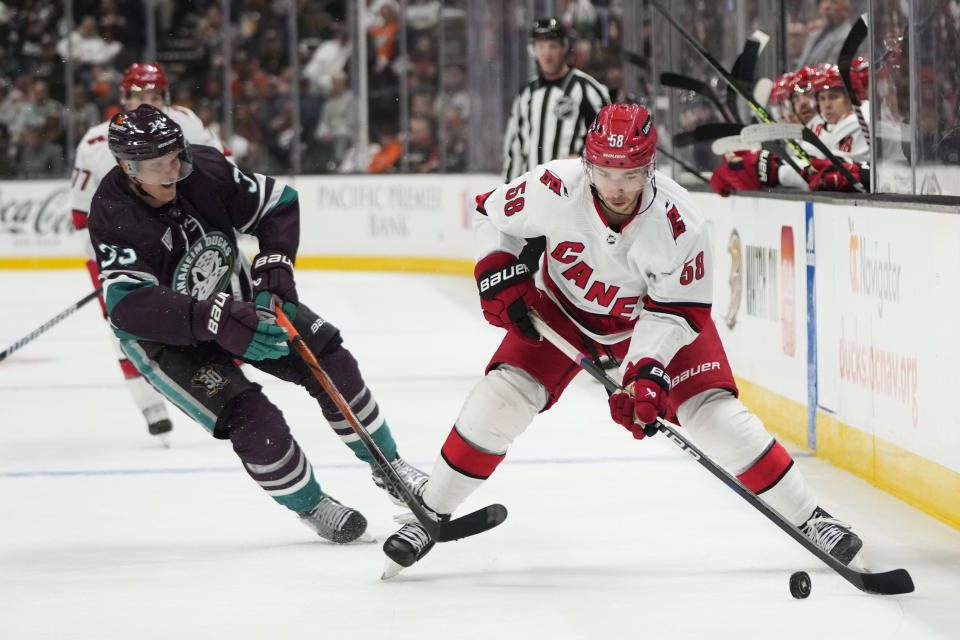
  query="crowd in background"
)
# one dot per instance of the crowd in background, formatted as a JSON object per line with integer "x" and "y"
{"x": 108, "y": 35}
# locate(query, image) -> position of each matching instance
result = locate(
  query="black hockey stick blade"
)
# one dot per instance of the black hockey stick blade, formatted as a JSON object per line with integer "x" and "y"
{"x": 887, "y": 583}
{"x": 858, "y": 33}
{"x": 473, "y": 523}
{"x": 635, "y": 59}
{"x": 707, "y": 133}
{"x": 50, "y": 323}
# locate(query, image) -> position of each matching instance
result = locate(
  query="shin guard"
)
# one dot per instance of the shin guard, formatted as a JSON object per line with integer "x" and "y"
{"x": 270, "y": 455}
{"x": 343, "y": 370}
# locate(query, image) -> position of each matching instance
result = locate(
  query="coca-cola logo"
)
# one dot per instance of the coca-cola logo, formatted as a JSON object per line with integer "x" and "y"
{"x": 35, "y": 212}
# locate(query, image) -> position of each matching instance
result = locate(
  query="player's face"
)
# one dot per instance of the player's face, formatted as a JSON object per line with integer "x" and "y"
{"x": 153, "y": 97}
{"x": 550, "y": 55}
{"x": 834, "y": 104}
{"x": 158, "y": 176}
{"x": 803, "y": 106}
{"x": 620, "y": 189}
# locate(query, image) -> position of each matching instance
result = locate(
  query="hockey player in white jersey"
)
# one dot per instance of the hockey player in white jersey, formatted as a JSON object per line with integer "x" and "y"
{"x": 143, "y": 83}
{"x": 627, "y": 273}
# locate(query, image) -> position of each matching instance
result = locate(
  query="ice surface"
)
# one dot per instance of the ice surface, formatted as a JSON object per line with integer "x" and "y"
{"x": 104, "y": 534}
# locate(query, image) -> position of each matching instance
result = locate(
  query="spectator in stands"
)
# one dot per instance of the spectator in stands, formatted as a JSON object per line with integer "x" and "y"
{"x": 455, "y": 142}
{"x": 389, "y": 150}
{"x": 454, "y": 92}
{"x": 337, "y": 127}
{"x": 423, "y": 154}
{"x": 12, "y": 101}
{"x": 423, "y": 62}
{"x": 383, "y": 33}
{"x": 85, "y": 45}
{"x": 85, "y": 113}
{"x": 40, "y": 110}
{"x": 38, "y": 156}
{"x": 796, "y": 39}
{"x": 328, "y": 59}
{"x": 823, "y": 44}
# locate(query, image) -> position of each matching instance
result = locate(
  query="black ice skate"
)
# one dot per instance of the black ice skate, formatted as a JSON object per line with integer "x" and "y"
{"x": 832, "y": 535}
{"x": 405, "y": 547}
{"x": 411, "y": 476}
{"x": 334, "y": 521}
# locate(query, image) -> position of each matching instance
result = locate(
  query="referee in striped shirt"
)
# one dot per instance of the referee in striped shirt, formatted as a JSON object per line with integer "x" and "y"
{"x": 550, "y": 116}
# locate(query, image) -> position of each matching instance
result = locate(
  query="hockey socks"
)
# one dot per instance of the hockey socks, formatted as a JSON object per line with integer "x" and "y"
{"x": 270, "y": 455}
{"x": 343, "y": 370}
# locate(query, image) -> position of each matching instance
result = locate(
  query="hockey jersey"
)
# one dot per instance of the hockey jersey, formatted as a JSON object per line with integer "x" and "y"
{"x": 156, "y": 262}
{"x": 650, "y": 281}
{"x": 93, "y": 158}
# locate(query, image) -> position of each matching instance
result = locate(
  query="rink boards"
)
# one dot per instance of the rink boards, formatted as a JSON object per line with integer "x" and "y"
{"x": 843, "y": 308}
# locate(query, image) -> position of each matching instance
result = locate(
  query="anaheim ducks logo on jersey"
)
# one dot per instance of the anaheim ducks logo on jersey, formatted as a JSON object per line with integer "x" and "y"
{"x": 206, "y": 267}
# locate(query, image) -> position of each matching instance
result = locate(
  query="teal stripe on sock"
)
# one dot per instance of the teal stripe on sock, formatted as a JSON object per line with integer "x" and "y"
{"x": 163, "y": 383}
{"x": 304, "y": 498}
{"x": 384, "y": 440}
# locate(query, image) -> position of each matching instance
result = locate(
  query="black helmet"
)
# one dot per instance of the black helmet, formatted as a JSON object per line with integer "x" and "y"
{"x": 144, "y": 134}
{"x": 548, "y": 29}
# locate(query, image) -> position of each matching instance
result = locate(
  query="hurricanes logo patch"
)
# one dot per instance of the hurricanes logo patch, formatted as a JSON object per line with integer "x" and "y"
{"x": 209, "y": 379}
{"x": 206, "y": 267}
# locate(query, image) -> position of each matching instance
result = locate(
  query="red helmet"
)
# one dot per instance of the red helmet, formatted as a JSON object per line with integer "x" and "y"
{"x": 860, "y": 77}
{"x": 782, "y": 88}
{"x": 622, "y": 137}
{"x": 141, "y": 76}
{"x": 827, "y": 77}
{"x": 803, "y": 79}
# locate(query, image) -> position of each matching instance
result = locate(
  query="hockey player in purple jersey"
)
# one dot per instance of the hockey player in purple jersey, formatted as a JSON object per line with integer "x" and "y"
{"x": 187, "y": 306}
{"x": 627, "y": 273}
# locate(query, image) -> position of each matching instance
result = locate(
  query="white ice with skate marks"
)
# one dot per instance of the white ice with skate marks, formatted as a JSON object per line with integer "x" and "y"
{"x": 108, "y": 535}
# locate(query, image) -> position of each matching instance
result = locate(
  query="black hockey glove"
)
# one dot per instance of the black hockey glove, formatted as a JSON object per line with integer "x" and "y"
{"x": 273, "y": 275}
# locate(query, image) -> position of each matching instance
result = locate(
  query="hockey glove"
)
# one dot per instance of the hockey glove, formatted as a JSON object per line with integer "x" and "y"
{"x": 506, "y": 292}
{"x": 237, "y": 327}
{"x": 829, "y": 178}
{"x": 749, "y": 171}
{"x": 273, "y": 275}
{"x": 643, "y": 398}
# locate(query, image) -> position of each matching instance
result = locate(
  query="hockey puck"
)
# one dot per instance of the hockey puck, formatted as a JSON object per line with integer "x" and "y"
{"x": 800, "y": 585}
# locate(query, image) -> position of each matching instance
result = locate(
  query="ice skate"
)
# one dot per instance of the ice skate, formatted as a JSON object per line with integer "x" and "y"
{"x": 411, "y": 476}
{"x": 405, "y": 547}
{"x": 158, "y": 424}
{"x": 832, "y": 535}
{"x": 334, "y": 521}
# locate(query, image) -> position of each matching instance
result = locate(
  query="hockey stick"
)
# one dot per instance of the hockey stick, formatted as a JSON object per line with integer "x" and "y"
{"x": 440, "y": 530}
{"x": 50, "y": 323}
{"x": 678, "y": 81}
{"x": 683, "y": 165}
{"x": 732, "y": 144}
{"x": 886, "y": 583}
{"x": 707, "y": 132}
{"x": 858, "y": 33}
{"x": 786, "y": 131}
{"x": 745, "y": 67}
{"x": 729, "y": 79}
